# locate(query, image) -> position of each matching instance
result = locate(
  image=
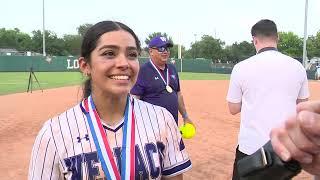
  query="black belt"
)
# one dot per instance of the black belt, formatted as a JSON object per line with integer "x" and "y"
{"x": 265, "y": 164}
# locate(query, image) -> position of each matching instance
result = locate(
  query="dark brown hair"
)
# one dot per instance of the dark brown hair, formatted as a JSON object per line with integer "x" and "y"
{"x": 265, "y": 28}
{"x": 90, "y": 40}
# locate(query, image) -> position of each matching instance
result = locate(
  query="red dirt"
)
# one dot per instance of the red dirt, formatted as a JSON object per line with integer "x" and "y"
{"x": 211, "y": 150}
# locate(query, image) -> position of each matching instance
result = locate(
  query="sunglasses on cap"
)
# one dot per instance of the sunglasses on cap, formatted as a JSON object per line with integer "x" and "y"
{"x": 161, "y": 49}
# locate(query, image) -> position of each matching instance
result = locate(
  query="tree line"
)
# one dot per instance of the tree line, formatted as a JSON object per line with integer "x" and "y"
{"x": 207, "y": 47}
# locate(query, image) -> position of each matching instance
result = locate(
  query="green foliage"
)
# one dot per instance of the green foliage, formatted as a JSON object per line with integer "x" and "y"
{"x": 188, "y": 54}
{"x": 54, "y": 45}
{"x": 72, "y": 44}
{"x": 208, "y": 47}
{"x": 68, "y": 45}
{"x": 313, "y": 46}
{"x": 290, "y": 44}
{"x": 14, "y": 39}
{"x": 8, "y": 38}
{"x": 24, "y": 42}
{"x": 238, "y": 52}
{"x": 82, "y": 29}
{"x": 174, "y": 51}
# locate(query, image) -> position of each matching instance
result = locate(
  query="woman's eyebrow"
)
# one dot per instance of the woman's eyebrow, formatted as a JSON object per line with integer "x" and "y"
{"x": 108, "y": 46}
{"x": 132, "y": 48}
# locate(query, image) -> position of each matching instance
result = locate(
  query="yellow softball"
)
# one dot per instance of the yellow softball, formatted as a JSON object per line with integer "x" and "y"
{"x": 187, "y": 131}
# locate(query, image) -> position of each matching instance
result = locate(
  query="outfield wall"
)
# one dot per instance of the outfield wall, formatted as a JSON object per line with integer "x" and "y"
{"x": 63, "y": 64}
{"x": 38, "y": 63}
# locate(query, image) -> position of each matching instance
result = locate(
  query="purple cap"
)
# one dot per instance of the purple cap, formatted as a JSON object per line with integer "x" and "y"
{"x": 160, "y": 41}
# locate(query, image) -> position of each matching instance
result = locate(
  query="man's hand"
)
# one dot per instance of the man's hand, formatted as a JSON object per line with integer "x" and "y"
{"x": 299, "y": 137}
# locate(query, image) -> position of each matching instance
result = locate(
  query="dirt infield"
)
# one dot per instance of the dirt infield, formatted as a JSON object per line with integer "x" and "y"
{"x": 211, "y": 150}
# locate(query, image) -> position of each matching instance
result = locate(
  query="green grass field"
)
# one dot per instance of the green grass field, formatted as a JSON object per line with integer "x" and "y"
{"x": 14, "y": 82}
{"x": 203, "y": 76}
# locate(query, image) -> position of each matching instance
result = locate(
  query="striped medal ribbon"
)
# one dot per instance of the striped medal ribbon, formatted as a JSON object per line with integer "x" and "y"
{"x": 101, "y": 142}
{"x": 166, "y": 83}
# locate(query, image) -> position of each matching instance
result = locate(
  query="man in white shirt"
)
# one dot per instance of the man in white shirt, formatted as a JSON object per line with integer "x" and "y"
{"x": 265, "y": 88}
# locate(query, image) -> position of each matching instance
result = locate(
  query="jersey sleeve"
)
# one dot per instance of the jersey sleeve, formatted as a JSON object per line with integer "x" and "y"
{"x": 44, "y": 161}
{"x": 234, "y": 93}
{"x": 176, "y": 159}
{"x": 139, "y": 88}
{"x": 304, "y": 91}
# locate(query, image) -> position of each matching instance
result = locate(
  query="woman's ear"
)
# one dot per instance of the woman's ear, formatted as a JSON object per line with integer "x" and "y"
{"x": 84, "y": 66}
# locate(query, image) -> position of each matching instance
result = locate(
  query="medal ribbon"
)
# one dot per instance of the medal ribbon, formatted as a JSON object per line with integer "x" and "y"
{"x": 165, "y": 83}
{"x": 101, "y": 142}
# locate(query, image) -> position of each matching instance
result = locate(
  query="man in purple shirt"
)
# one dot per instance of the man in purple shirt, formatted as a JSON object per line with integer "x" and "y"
{"x": 158, "y": 82}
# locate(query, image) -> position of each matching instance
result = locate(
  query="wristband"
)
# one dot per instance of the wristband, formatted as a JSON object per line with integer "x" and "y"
{"x": 185, "y": 115}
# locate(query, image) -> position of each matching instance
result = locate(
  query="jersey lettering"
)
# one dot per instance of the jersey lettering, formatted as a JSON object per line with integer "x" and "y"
{"x": 88, "y": 164}
{"x": 140, "y": 165}
{"x": 154, "y": 164}
{"x": 161, "y": 147}
{"x": 91, "y": 159}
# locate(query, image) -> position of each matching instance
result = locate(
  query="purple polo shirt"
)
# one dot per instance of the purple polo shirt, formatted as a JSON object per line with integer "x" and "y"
{"x": 151, "y": 88}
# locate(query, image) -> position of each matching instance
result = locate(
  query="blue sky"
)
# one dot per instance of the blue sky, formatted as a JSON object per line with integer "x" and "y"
{"x": 184, "y": 21}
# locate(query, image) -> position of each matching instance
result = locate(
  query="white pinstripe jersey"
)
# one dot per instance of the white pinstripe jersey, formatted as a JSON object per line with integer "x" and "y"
{"x": 64, "y": 148}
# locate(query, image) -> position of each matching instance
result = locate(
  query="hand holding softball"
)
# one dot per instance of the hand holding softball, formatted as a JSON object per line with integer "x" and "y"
{"x": 187, "y": 131}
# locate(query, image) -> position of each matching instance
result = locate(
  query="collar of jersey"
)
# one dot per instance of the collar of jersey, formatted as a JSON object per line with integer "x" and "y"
{"x": 113, "y": 128}
{"x": 165, "y": 67}
{"x": 267, "y": 49}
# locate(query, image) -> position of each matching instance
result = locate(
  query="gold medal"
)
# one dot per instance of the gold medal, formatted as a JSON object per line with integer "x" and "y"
{"x": 169, "y": 89}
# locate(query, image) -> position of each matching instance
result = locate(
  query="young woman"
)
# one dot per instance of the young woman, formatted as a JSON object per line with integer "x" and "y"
{"x": 110, "y": 135}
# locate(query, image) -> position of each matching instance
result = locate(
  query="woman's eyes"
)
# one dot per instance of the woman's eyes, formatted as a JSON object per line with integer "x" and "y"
{"x": 108, "y": 53}
{"x": 112, "y": 54}
{"x": 133, "y": 55}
